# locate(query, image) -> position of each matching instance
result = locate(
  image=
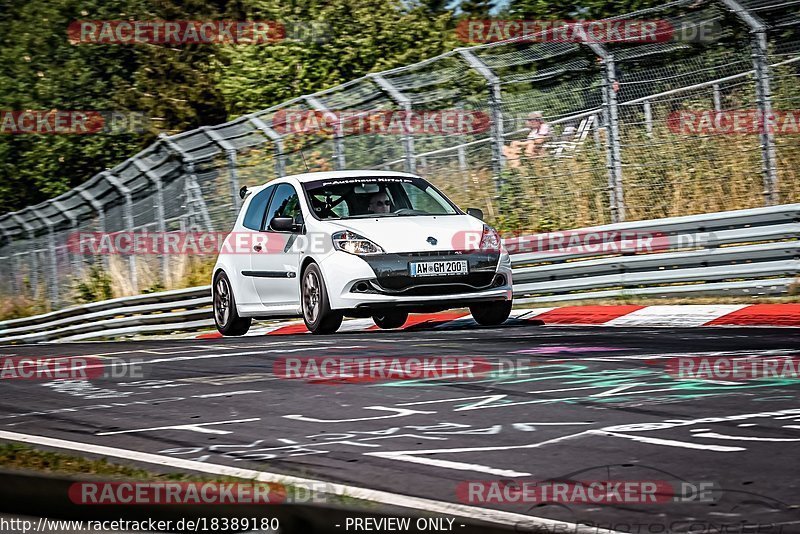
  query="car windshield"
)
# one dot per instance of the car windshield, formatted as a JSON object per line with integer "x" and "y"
{"x": 350, "y": 198}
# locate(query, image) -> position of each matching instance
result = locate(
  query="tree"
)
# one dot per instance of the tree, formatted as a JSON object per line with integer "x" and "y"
{"x": 561, "y": 10}
{"x": 361, "y": 37}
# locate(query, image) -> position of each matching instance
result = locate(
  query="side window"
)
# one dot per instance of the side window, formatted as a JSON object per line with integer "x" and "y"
{"x": 285, "y": 203}
{"x": 258, "y": 206}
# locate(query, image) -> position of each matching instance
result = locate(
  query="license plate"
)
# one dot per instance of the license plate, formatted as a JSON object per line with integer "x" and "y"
{"x": 438, "y": 268}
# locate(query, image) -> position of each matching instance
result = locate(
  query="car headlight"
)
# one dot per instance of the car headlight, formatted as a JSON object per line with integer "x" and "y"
{"x": 354, "y": 243}
{"x": 490, "y": 239}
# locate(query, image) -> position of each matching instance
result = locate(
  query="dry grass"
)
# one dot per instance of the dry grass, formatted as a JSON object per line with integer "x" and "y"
{"x": 22, "y": 306}
{"x": 20, "y": 457}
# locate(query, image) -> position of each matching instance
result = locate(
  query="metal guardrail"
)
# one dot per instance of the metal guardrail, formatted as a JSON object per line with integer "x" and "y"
{"x": 752, "y": 252}
{"x": 743, "y": 252}
{"x": 180, "y": 309}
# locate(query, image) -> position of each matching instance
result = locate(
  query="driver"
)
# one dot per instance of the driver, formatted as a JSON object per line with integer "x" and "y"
{"x": 380, "y": 203}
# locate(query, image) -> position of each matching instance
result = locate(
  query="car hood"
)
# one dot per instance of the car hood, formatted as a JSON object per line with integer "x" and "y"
{"x": 410, "y": 234}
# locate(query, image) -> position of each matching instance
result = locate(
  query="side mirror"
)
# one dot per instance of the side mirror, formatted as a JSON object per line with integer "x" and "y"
{"x": 475, "y": 212}
{"x": 282, "y": 224}
{"x": 243, "y": 192}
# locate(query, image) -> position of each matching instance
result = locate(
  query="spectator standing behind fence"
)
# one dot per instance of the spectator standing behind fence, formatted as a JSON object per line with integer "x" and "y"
{"x": 532, "y": 146}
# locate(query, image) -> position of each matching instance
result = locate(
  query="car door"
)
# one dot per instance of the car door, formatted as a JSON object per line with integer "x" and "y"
{"x": 248, "y": 242}
{"x": 274, "y": 268}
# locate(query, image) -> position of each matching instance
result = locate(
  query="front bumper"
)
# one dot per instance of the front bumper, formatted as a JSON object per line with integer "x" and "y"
{"x": 383, "y": 280}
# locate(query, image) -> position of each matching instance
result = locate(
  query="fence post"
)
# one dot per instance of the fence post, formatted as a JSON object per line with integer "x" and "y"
{"x": 495, "y": 109}
{"x": 616, "y": 192}
{"x": 764, "y": 96}
{"x": 758, "y": 42}
{"x": 73, "y": 223}
{"x": 101, "y": 216}
{"x": 338, "y": 137}
{"x": 717, "y": 98}
{"x": 404, "y": 102}
{"x": 461, "y": 152}
{"x": 51, "y": 235}
{"x": 34, "y": 255}
{"x": 277, "y": 141}
{"x": 648, "y": 118}
{"x": 127, "y": 216}
{"x": 618, "y": 210}
{"x": 230, "y": 154}
{"x": 160, "y": 217}
{"x": 11, "y": 276}
{"x": 193, "y": 188}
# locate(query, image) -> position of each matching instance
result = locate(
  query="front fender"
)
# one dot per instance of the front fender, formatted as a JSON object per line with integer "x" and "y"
{"x": 244, "y": 291}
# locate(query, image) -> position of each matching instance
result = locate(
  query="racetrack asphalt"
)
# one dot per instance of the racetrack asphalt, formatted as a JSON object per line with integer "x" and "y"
{"x": 584, "y": 403}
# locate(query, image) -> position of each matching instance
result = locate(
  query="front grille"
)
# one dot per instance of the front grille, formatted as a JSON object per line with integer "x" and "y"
{"x": 392, "y": 274}
{"x": 464, "y": 282}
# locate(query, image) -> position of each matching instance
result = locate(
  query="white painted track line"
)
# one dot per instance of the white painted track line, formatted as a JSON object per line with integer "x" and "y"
{"x": 382, "y": 497}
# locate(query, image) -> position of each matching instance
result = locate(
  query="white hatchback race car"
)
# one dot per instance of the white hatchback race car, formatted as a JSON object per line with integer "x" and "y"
{"x": 358, "y": 244}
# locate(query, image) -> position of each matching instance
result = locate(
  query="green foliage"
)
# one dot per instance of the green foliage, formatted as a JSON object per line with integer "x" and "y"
{"x": 41, "y": 70}
{"x": 364, "y": 36}
{"x": 157, "y": 286}
{"x": 560, "y": 10}
{"x": 95, "y": 286}
{"x": 181, "y": 87}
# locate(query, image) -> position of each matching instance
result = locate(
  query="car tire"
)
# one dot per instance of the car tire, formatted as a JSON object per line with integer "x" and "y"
{"x": 392, "y": 319}
{"x": 225, "y": 315}
{"x": 491, "y": 313}
{"x": 317, "y": 313}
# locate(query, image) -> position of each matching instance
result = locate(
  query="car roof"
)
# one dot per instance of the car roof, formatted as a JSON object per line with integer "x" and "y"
{"x": 328, "y": 175}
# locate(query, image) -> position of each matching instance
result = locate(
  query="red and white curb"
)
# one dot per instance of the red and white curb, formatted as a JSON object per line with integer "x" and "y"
{"x": 681, "y": 315}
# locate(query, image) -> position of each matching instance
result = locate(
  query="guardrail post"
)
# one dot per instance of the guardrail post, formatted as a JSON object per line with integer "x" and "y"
{"x": 338, "y": 136}
{"x": 159, "y": 207}
{"x": 495, "y": 109}
{"x": 758, "y": 41}
{"x": 277, "y": 141}
{"x": 405, "y": 103}
{"x": 127, "y": 216}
